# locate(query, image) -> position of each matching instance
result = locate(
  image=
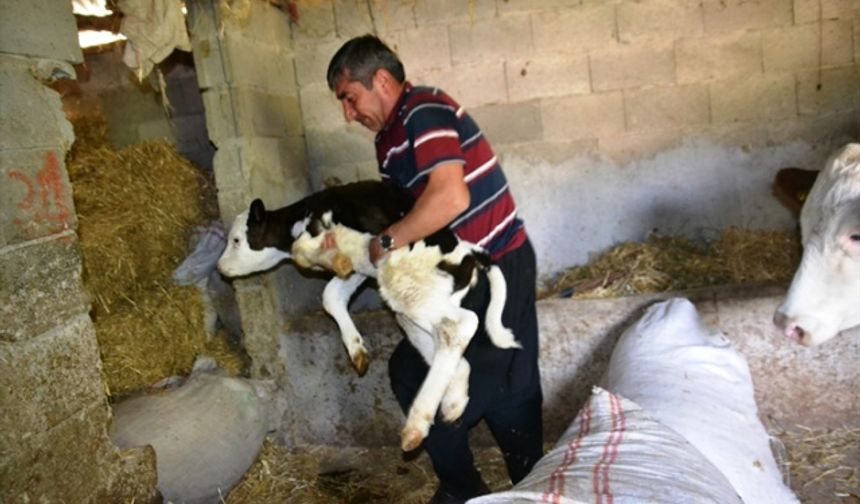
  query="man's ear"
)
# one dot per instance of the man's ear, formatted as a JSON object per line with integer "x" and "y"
{"x": 257, "y": 214}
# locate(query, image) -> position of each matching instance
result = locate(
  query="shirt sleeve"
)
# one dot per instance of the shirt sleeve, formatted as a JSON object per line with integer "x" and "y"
{"x": 435, "y": 137}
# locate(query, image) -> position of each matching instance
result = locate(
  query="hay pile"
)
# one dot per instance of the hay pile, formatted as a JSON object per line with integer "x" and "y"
{"x": 337, "y": 475}
{"x": 136, "y": 207}
{"x": 824, "y": 465}
{"x": 675, "y": 263}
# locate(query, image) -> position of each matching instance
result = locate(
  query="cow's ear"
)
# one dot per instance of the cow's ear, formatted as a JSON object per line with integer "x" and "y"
{"x": 258, "y": 212}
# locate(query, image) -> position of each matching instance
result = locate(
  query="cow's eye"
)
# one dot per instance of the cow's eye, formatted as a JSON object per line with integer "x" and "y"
{"x": 235, "y": 241}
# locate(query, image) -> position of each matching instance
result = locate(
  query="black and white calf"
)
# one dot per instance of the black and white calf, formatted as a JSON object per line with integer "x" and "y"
{"x": 423, "y": 284}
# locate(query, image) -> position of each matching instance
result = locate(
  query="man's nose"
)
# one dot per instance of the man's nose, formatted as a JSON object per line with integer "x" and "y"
{"x": 348, "y": 112}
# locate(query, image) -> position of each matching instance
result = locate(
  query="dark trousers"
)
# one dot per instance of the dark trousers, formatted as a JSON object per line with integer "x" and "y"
{"x": 504, "y": 385}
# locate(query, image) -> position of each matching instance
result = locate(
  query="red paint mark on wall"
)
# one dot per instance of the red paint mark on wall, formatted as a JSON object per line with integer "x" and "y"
{"x": 45, "y": 201}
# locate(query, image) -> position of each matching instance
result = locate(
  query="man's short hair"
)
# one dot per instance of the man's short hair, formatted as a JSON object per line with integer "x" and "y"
{"x": 360, "y": 58}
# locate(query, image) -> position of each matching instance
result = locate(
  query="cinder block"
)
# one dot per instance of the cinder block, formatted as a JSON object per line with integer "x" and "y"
{"x": 247, "y": 111}
{"x": 46, "y": 380}
{"x": 320, "y": 108}
{"x": 547, "y": 76}
{"x": 73, "y": 462}
{"x": 40, "y": 287}
{"x": 579, "y": 29}
{"x": 723, "y": 16}
{"x": 45, "y": 29}
{"x": 510, "y": 123}
{"x": 421, "y": 48}
{"x": 429, "y": 12}
{"x": 832, "y": 91}
{"x": 759, "y": 98}
{"x": 393, "y": 16}
{"x": 209, "y": 61}
{"x": 35, "y": 195}
{"x": 263, "y": 65}
{"x": 352, "y": 18}
{"x": 347, "y": 145}
{"x": 800, "y": 47}
{"x": 631, "y": 67}
{"x": 496, "y": 39}
{"x": 659, "y": 20}
{"x": 278, "y": 169}
{"x": 586, "y": 116}
{"x": 813, "y": 10}
{"x": 229, "y": 168}
{"x": 261, "y": 321}
{"x": 718, "y": 57}
{"x": 312, "y": 59}
{"x": 670, "y": 107}
{"x": 469, "y": 85}
{"x": 316, "y": 21}
{"x": 261, "y": 21}
{"x": 510, "y": 6}
{"x": 31, "y": 114}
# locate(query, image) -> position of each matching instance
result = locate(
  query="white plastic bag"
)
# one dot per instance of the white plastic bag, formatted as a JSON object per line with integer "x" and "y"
{"x": 698, "y": 385}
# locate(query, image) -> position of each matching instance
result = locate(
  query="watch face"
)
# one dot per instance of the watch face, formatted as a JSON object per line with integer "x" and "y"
{"x": 386, "y": 241}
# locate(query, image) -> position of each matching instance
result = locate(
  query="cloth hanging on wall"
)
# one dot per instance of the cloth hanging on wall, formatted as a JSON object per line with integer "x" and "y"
{"x": 154, "y": 28}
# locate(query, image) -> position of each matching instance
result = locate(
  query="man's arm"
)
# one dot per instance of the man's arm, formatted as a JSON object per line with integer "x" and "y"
{"x": 445, "y": 197}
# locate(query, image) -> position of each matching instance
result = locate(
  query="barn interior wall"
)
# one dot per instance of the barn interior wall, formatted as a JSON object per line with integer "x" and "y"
{"x": 649, "y": 114}
{"x": 53, "y": 431}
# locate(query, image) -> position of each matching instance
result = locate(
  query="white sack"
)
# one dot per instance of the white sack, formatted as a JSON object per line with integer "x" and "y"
{"x": 698, "y": 385}
{"x": 615, "y": 452}
{"x": 205, "y": 432}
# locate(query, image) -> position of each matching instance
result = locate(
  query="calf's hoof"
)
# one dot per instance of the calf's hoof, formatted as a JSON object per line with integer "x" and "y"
{"x": 342, "y": 265}
{"x": 361, "y": 361}
{"x": 410, "y": 439}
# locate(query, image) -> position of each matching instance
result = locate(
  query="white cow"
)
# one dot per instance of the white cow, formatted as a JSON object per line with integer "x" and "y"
{"x": 824, "y": 297}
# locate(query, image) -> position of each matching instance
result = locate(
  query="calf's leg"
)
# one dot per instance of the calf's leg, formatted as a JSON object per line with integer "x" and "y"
{"x": 336, "y": 301}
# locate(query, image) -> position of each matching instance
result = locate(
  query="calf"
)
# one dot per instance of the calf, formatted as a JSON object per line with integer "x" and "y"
{"x": 824, "y": 297}
{"x": 423, "y": 284}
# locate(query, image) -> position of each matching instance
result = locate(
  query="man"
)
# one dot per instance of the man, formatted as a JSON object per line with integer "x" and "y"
{"x": 428, "y": 145}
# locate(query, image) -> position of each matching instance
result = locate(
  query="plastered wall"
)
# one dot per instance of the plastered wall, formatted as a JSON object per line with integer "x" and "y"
{"x": 53, "y": 439}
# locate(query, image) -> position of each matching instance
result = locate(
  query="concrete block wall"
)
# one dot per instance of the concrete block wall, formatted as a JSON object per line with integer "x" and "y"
{"x": 244, "y": 62}
{"x": 711, "y": 96}
{"x": 53, "y": 431}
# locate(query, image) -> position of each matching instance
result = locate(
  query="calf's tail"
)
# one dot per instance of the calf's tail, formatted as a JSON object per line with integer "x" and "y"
{"x": 500, "y": 335}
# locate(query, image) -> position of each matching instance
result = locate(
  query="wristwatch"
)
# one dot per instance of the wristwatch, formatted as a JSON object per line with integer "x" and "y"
{"x": 386, "y": 242}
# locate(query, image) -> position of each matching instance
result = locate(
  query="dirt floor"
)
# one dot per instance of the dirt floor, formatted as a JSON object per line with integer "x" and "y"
{"x": 823, "y": 466}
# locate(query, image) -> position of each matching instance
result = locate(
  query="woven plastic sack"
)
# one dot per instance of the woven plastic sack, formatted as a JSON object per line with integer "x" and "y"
{"x": 206, "y": 432}
{"x": 695, "y": 383}
{"x": 614, "y": 452}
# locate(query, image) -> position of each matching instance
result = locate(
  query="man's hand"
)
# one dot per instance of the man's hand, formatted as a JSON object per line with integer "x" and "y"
{"x": 328, "y": 241}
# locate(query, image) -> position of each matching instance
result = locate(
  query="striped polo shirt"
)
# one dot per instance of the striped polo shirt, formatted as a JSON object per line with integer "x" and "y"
{"x": 428, "y": 129}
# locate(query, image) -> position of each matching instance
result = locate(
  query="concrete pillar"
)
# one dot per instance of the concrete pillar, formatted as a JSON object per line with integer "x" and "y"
{"x": 53, "y": 432}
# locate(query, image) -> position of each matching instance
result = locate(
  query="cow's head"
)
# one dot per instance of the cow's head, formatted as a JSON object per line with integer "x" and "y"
{"x": 824, "y": 297}
{"x": 258, "y": 241}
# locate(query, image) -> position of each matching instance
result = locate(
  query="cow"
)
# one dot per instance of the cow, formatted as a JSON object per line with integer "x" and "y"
{"x": 423, "y": 284}
{"x": 824, "y": 297}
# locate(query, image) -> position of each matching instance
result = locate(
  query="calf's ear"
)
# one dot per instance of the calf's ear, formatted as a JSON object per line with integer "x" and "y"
{"x": 258, "y": 211}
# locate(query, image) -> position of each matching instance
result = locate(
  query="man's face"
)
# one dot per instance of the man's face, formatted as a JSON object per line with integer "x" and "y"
{"x": 361, "y": 104}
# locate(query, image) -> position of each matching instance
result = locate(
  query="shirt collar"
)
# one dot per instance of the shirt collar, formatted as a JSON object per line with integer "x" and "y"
{"x": 397, "y": 111}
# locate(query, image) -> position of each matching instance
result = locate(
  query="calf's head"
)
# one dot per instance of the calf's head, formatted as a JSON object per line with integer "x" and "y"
{"x": 824, "y": 297}
{"x": 258, "y": 240}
